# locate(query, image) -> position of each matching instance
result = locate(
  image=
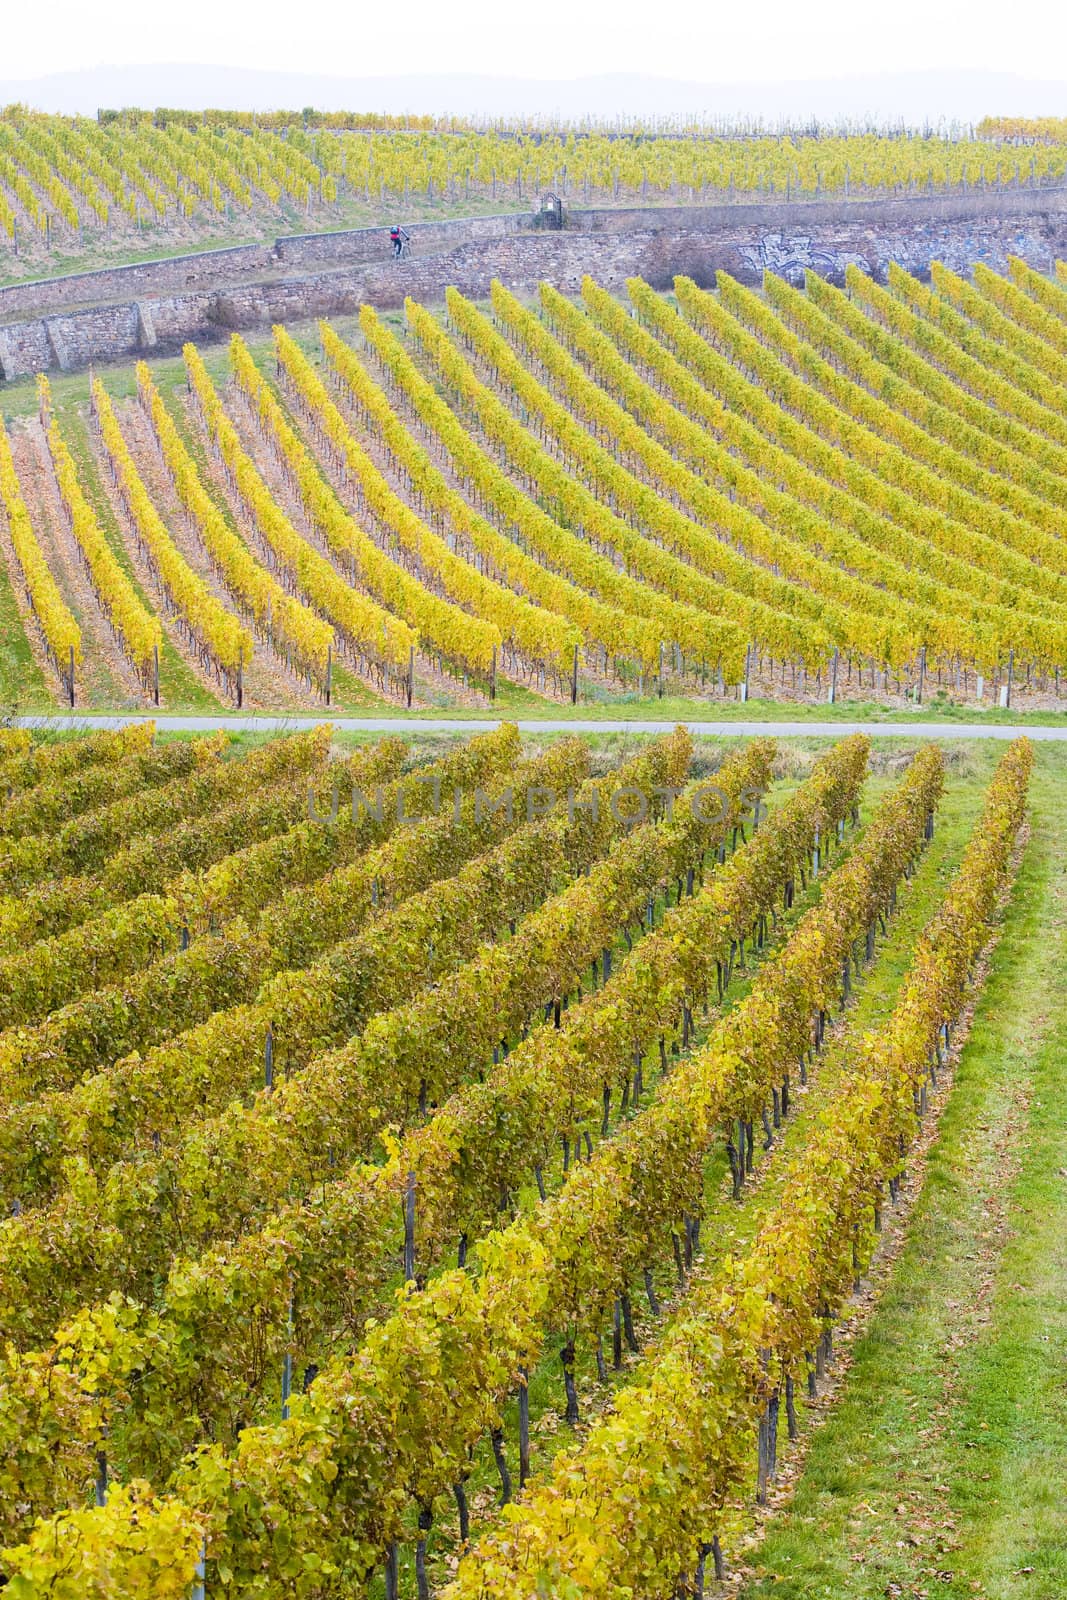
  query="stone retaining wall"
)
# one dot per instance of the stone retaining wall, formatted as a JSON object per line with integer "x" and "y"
{"x": 257, "y": 285}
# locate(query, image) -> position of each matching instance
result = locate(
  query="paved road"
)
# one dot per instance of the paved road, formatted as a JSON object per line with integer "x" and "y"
{"x": 877, "y": 730}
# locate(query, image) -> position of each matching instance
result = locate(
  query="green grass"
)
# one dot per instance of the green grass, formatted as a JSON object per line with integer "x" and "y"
{"x": 521, "y": 705}
{"x": 22, "y": 684}
{"x": 941, "y": 1468}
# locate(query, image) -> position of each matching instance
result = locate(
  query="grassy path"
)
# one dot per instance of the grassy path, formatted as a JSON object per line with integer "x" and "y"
{"x": 729, "y": 1227}
{"x": 941, "y": 1469}
{"x": 22, "y": 683}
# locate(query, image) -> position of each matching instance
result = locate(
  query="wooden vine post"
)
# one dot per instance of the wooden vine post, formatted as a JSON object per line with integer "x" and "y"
{"x": 268, "y": 1059}
{"x": 409, "y": 1228}
{"x": 198, "y": 1586}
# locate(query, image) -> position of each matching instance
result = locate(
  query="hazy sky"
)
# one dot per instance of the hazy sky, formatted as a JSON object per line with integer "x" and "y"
{"x": 774, "y": 39}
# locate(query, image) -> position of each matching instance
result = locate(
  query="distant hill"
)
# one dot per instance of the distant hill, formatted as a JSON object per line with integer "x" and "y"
{"x": 917, "y": 98}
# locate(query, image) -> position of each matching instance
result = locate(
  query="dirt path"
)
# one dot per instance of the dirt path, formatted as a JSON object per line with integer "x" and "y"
{"x": 268, "y": 685}
{"x": 198, "y": 680}
{"x": 432, "y": 687}
{"x": 359, "y": 687}
{"x": 593, "y": 671}
{"x": 737, "y": 728}
{"x": 30, "y": 237}
{"x": 525, "y": 681}
{"x": 350, "y": 686}
{"x": 106, "y": 676}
